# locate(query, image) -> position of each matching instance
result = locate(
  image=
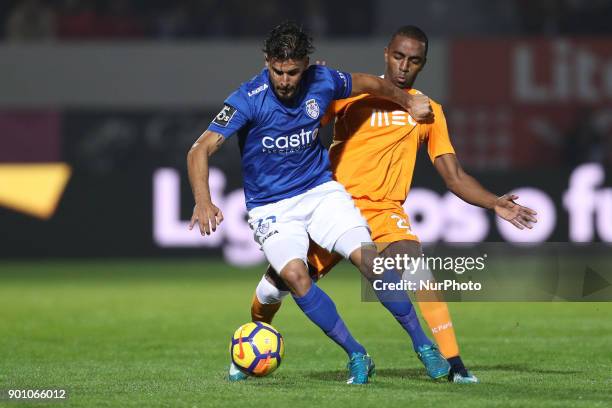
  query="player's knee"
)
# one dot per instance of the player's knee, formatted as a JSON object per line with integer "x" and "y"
{"x": 363, "y": 259}
{"x": 295, "y": 275}
{"x": 420, "y": 272}
{"x": 406, "y": 247}
{"x": 274, "y": 277}
{"x": 268, "y": 293}
{"x": 352, "y": 240}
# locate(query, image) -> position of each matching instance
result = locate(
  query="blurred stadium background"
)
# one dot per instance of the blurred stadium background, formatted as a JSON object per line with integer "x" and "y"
{"x": 118, "y": 90}
{"x": 100, "y": 101}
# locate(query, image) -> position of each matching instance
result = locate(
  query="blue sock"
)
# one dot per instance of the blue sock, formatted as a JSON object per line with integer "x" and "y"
{"x": 400, "y": 306}
{"x": 322, "y": 311}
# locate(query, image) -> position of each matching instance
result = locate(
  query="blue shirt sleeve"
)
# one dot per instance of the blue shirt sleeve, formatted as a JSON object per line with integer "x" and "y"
{"x": 342, "y": 83}
{"x": 234, "y": 115}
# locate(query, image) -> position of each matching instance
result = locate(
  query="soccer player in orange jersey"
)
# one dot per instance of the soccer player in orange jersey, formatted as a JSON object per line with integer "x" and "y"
{"x": 373, "y": 155}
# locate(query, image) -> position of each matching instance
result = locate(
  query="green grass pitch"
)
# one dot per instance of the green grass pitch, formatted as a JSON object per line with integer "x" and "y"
{"x": 147, "y": 333}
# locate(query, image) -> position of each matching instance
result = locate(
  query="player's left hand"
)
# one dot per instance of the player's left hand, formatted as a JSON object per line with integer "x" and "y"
{"x": 419, "y": 107}
{"x": 517, "y": 215}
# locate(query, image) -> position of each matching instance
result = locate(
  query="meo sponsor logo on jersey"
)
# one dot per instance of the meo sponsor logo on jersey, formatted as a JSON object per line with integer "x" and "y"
{"x": 381, "y": 118}
{"x": 290, "y": 143}
{"x": 224, "y": 117}
{"x": 312, "y": 108}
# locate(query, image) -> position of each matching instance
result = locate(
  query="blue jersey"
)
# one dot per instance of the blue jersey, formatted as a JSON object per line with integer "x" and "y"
{"x": 281, "y": 153}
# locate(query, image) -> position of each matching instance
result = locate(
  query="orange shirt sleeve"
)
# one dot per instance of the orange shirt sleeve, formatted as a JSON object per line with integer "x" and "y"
{"x": 330, "y": 114}
{"x": 336, "y": 107}
{"x": 438, "y": 139}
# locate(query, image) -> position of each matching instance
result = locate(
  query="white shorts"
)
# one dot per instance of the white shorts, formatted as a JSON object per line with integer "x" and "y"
{"x": 324, "y": 213}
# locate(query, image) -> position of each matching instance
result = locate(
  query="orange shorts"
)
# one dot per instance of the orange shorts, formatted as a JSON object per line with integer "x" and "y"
{"x": 388, "y": 223}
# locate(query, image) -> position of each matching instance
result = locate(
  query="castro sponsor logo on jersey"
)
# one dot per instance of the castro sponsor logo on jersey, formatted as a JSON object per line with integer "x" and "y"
{"x": 312, "y": 108}
{"x": 224, "y": 117}
{"x": 381, "y": 118}
{"x": 290, "y": 143}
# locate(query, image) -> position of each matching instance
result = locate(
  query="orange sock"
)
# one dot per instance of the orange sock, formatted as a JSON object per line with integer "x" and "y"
{"x": 261, "y": 312}
{"x": 439, "y": 321}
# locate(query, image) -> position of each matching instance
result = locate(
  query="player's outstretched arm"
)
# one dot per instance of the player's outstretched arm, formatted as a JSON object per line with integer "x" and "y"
{"x": 418, "y": 105}
{"x": 205, "y": 213}
{"x": 470, "y": 190}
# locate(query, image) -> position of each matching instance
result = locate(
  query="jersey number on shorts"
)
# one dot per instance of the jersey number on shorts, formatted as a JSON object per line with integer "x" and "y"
{"x": 402, "y": 223}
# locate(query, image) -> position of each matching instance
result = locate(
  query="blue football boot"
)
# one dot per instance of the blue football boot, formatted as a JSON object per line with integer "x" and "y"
{"x": 361, "y": 368}
{"x": 435, "y": 364}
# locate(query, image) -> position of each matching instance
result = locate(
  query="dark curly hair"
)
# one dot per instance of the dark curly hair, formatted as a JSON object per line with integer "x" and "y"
{"x": 410, "y": 31}
{"x": 288, "y": 41}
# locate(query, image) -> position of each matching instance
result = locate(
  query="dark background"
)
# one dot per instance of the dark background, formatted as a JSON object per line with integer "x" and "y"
{"x": 526, "y": 88}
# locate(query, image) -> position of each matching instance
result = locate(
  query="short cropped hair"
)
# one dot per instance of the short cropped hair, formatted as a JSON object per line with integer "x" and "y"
{"x": 413, "y": 32}
{"x": 288, "y": 41}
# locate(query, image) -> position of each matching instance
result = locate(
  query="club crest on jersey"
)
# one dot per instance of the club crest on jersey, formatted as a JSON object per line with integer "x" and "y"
{"x": 263, "y": 228}
{"x": 312, "y": 108}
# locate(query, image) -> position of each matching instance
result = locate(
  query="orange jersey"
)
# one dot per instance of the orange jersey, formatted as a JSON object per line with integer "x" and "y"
{"x": 375, "y": 145}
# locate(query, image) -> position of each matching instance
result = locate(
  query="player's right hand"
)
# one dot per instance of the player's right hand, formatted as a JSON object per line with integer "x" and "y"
{"x": 207, "y": 216}
{"x": 419, "y": 107}
{"x": 519, "y": 216}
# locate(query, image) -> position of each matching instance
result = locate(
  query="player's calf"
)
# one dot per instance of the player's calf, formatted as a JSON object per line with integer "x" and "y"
{"x": 396, "y": 302}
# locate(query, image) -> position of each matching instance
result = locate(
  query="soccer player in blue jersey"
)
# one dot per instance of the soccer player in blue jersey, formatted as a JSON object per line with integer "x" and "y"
{"x": 289, "y": 190}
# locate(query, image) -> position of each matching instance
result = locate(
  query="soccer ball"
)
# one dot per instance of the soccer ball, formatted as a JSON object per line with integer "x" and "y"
{"x": 257, "y": 348}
